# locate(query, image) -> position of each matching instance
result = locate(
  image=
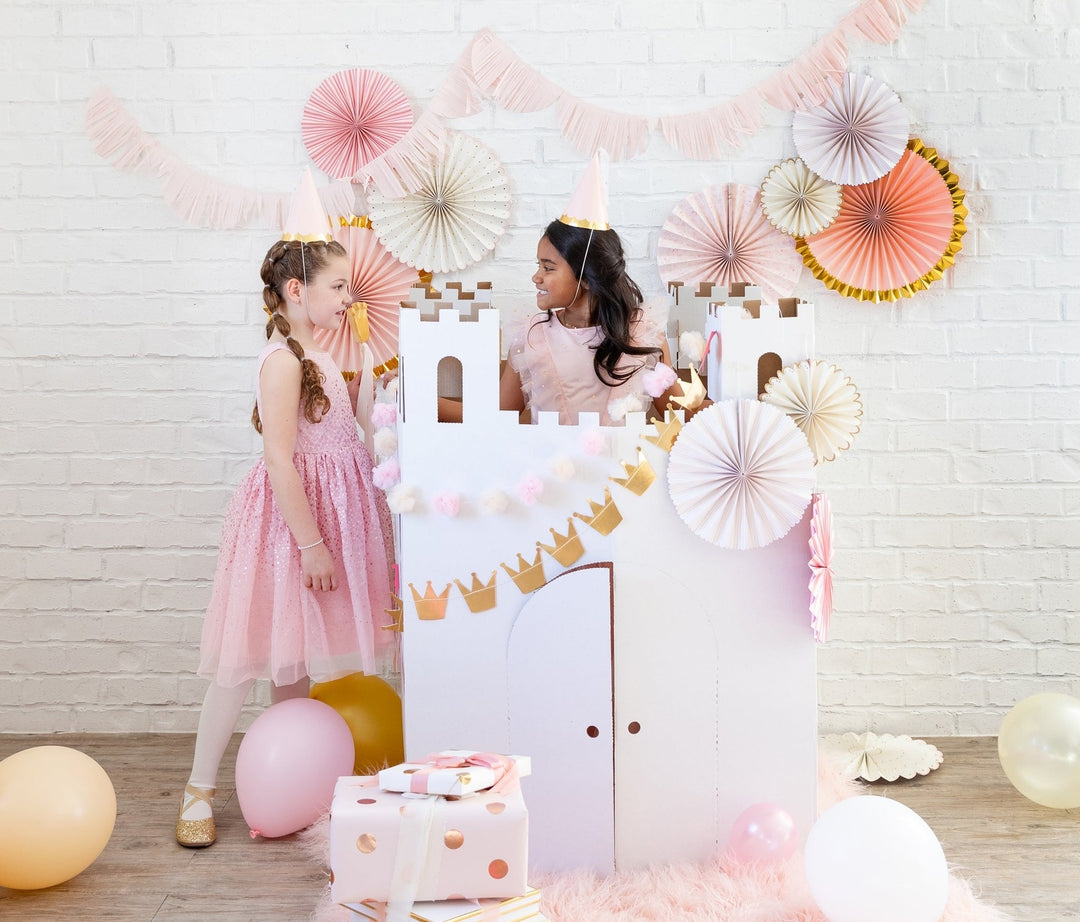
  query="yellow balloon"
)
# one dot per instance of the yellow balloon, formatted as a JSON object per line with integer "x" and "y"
{"x": 57, "y": 811}
{"x": 372, "y": 709}
{"x": 1039, "y": 749}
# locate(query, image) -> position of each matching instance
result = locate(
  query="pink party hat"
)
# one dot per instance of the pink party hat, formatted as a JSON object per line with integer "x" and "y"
{"x": 307, "y": 220}
{"x": 588, "y": 205}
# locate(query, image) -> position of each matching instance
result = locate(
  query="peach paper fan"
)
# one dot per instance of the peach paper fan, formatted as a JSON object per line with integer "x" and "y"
{"x": 797, "y": 201}
{"x": 893, "y": 236}
{"x": 823, "y": 403}
{"x": 351, "y": 118}
{"x": 856, "y": 135}
{"x": 720, "y": 235}
{"x": 376, "y": 278}
{"x": 821, "y": 576}
{"x": 740, "y": 474}
{"x": 456, "y": 216}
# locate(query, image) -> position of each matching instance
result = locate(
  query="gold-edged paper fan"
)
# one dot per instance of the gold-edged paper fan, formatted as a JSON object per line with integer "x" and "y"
{"x": 823, "y": 403}
{"x": 797, "y": 201}
{"x": 740, "y": 474}
{"x": 454, "y": 219}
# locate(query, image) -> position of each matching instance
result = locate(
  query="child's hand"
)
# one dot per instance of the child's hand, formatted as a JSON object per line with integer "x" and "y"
{"x": 317, "y": 565}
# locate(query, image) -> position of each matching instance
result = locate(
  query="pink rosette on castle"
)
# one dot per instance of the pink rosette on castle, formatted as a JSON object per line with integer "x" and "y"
{"x": 820, "y": 566}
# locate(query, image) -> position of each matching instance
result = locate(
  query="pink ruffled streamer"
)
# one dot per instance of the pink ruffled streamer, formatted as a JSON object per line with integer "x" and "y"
{"x": 588, "y": 128}
{"x": 810, "y": 78}
{"x": 402, "y": 169}
{"x": 500, "y": 73}
{"x": 708, "y": 134}
{"x": 197, "y": 198}
{"x": 879, "y": 21}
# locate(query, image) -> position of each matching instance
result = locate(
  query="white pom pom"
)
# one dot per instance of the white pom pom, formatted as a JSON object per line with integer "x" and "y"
{"x": 692, "y": 347}
{"x": 495, "y": 502}
{"x": 385, "y": 442}
{"x": 562, "y": 467}
{"x": 402, "y": 498}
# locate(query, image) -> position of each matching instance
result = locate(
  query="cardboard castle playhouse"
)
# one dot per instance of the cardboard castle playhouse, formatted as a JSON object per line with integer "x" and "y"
{"x": 557, "y": 604}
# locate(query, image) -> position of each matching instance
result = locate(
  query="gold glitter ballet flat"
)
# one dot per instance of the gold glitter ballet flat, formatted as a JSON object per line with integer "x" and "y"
{"x": 196, "y": 833}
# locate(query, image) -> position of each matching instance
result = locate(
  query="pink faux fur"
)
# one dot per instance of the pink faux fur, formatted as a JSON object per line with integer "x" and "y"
{"x": 712, "y": 891}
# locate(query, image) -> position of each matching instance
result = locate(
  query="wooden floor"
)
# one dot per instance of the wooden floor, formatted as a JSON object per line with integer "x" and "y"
{"x": 1019, "y": 856}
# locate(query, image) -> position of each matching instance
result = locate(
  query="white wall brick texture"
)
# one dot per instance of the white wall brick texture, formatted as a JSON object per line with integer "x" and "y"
{"x": 126, "y": 336}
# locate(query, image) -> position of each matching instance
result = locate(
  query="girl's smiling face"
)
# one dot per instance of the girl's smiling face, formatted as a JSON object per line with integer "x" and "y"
{"x": 556, "y": 285}
{"x": 327, "y": 296}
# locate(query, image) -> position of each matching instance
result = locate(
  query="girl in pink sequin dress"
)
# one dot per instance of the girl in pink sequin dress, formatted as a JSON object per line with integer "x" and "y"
{"x": 303, "y": 576}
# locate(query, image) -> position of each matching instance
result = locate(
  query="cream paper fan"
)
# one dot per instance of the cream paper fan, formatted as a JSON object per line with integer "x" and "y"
{"x": 740, "y": 474}
{"x": 797, "y": 201}
{"x": 822, "y": 401}
{"x": 884, "y": 757}
{"x": 456, "y": 216}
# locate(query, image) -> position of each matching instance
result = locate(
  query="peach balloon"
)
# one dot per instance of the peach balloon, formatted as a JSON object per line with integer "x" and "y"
{"x": 57, "y": 811}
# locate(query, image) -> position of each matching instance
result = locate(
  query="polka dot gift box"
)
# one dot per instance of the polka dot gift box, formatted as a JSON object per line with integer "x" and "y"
{"x": 387, "y": 846}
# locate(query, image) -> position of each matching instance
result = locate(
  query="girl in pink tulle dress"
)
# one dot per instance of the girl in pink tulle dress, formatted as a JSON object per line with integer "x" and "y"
{"x": 303, "y": 577}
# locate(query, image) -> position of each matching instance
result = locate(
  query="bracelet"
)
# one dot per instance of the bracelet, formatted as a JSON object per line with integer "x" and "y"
{"x": 308, "y": 547}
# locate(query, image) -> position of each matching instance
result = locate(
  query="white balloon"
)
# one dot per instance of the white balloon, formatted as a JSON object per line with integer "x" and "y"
{"x": 870, "y": 857}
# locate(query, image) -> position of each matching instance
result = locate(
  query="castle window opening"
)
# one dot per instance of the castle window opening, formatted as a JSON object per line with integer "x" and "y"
{"x": 449, "y": 382}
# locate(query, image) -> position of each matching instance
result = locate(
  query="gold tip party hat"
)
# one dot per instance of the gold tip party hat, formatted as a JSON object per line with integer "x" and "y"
{"x": 588, "y": 204}
{"x": 307, "y": 220}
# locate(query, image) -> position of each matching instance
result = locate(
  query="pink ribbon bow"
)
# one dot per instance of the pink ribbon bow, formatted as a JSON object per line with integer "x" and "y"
{"x": 505, "y": 769}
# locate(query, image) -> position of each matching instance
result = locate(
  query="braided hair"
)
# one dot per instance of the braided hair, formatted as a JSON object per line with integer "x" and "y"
{"x": 295, "y": 260}
{"x": 614, "y": 297}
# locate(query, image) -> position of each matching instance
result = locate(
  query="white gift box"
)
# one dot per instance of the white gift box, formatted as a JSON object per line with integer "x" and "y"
{"x": 453, "y": 772}
{"x": 516, "y": 909}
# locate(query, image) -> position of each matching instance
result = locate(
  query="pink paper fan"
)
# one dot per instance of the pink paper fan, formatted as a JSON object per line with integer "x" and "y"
{"x": 857, "y": 135}
{"x": 740, "y": 474}
{"x": 891, "y": 232}
{"x": 720, "y": 235}
{"x": 820, "y": 566}
{"x": 351, "y": 118}
{"x": 383, "y": 282}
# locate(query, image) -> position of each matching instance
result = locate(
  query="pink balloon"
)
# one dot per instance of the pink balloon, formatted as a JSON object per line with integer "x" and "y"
{"x": 288, "y": 763}
{"x": 763, "y": 833}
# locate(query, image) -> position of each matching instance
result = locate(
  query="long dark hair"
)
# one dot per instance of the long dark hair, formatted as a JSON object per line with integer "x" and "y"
{"x": 614, "y": 297}
{"x": 295, "y": 260}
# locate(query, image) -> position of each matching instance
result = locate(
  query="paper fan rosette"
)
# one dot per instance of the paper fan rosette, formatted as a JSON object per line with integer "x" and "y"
{"x": 740, "y": 474}
{"x": 720, "y": 235}
{"x": 456, "y": 216}
{"x": 351, "y": 118}
{"x": 798, "y": 202}
{"x": 379, "y": 280}
{"x": 881, "y": 757}
{"x": 823, "y": 403}
{"x": 821, "y": 554}
{"x": 857, "y": 135}
{"x": 893, "y": 236}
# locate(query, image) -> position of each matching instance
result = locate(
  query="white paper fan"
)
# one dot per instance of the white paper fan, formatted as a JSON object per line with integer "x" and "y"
{"x": 822, "y": 401}
{"x": 740, "y": 474}
{"x": 720, "y": 235}
{"x": 797, "y": 201}
{"x": 884, "y": 757}
{"x": 456, "y": 216}
{"x": 856, "y": 136}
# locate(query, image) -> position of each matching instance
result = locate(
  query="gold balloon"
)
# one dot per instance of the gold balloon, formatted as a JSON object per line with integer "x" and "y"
{"x": 1039, "y": 749}
{"x": 57, "y": 810}
{"x": 372, "y": 709}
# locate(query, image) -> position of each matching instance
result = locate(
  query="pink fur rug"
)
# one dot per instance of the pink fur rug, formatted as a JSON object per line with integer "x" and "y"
{"x": 715, "y": 891}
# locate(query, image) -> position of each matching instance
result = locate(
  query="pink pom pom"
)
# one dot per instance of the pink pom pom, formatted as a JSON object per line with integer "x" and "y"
{"x": 385, "y": 475}
{"x": 594, "y": 442}
{"x": 530, "y": 489}
{"x": 657, "y": 380}
{"x": 383, "y": 414}
{"x": 447, "y": 504}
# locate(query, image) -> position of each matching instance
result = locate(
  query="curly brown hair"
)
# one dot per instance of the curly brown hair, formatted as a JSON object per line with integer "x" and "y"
{"x": 295, "y": 260}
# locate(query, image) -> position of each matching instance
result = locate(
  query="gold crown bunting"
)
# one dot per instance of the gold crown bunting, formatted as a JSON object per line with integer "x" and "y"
{"x": 667, "y": 431}
{"x": 397, "y": 613}
{"x": 638, "y": 478}
{"x": 568, "y": 548}
{"x": 480, "y": 597}
{"x": 528, "y": 577}
{"x": 694, "y": 392}
{"x": 605, "y": 516}
{"x": 430, "y": 606}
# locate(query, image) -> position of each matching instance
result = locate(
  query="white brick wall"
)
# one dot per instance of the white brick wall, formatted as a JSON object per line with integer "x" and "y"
{"x": 126, "y": 336}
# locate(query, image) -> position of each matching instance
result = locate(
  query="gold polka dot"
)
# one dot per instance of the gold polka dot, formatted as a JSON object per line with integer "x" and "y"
{"x": 456, "y": 896}
{"x": 453, "y": 838}
{"x": 366, "y": 800}
{"x": 366, "y": 843}
{"x": 410, "y": 771}
{"x": 464, "y": 777}
{"x": 498, "y": 869}
{"x": 496, "y": 807}
{"x": 401, "y": 810}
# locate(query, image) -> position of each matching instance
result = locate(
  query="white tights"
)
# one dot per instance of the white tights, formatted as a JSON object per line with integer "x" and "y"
{"x": 217, "y": 722}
